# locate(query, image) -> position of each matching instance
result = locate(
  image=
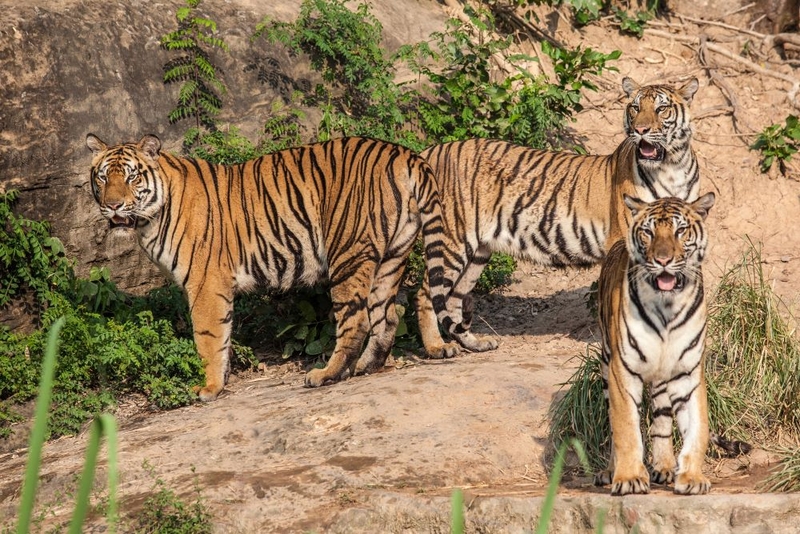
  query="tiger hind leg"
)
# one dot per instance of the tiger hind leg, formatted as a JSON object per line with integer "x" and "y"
{"x": 435, "y": 346}
{"x": 664, "y": 463}
{"x": 382, "y": 315}
{"x": 350, "y": 301}
{"x": 459, "y": 305}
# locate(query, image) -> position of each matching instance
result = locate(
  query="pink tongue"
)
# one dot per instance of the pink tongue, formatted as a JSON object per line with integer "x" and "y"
{"x": 647, "y": 150}
{"x": 666, "y": 282}
{"x": 119, "y": 220}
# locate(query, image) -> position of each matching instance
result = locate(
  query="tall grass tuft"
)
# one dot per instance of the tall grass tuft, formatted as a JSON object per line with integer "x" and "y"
{"x": 582, "y": 412}
{"x": 753, "y": 357}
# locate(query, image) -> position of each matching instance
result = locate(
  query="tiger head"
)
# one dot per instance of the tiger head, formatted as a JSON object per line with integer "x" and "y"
{"x": 667, "y": 239}
{"x": 125, "y": 180}
{"x": 657, "y": 117}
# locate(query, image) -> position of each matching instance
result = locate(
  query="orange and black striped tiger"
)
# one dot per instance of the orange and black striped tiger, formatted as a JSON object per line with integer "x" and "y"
{"x": 652, "y": 311}
{"x": 347, "y": 210}
{"x": 553, "y": 208}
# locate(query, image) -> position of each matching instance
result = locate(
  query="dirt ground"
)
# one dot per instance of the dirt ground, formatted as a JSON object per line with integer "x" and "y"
{"x": 382, "y": 453}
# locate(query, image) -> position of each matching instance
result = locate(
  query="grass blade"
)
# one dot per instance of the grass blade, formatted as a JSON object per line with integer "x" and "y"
{"x": 457, "y": 512}
{"x": 103, "y": 424}
{"x": 39, "y": 429}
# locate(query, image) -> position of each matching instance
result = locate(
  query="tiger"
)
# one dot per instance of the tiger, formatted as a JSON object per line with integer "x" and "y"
{"x": 552, "y": 208}
{"x": 345, "y": 211}
{"x": 652, "y": 315}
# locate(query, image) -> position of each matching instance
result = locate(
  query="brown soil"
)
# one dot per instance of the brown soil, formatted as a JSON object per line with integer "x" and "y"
{"x": 272, "y": 456}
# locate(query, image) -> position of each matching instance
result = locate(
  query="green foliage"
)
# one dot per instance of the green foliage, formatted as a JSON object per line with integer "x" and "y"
{"x": 359, "y": 96}
{"x": 633, "y": 24}
{"x": 283, "y": 128}
{"x": 467, "y": 100}
{"x": 785, "y": 476}
{"x": 194, "y": 68}
{"x": 222, "y": 147}
{"x": 497, "y": 273}
{"x": 31, "y": 260}
{"x": 166, "y": 513}
{"x": 778, "y": 142}
{"x": 572, "y": 68}
{"x": 586, "y": 11}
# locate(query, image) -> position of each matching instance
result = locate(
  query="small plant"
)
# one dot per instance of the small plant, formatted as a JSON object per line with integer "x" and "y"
{"x": 633, "y": 24}
{"x": 778, "y": 142}
{"x": 199, "y": 95}
{"x": 582, "y": 412}
{"x": 166, "y": 513}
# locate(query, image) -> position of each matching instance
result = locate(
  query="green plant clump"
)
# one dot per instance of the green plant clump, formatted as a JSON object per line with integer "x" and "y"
{"x": 112, "y": 344}
{"x": 201, "y": 87}
{"x": 778, "y": 143}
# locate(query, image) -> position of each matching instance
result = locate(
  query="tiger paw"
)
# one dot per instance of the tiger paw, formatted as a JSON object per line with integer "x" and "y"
{"x": 633, "y": 485}
{"x": 662, "y": 475}
{"x": 475, "y": 343}
{"x": 208, "y": 393}
{"x": 316, "y": 378}
{"x": 688, "y": 484}
{"x": 445, "y": 350}
{"x": 602, "y": 478}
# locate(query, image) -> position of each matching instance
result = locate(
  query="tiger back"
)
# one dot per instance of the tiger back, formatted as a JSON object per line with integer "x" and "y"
{"x": 347, "y": 211}
{"x": 652, "y": 313}
{"x": 552, "y": 208}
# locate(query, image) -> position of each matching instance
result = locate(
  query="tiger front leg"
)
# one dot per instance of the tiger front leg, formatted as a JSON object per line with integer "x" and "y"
{"x": 212, "y": 318}
{"x": 625, "y": 398}
{"x": 690, "y": 406}
{"x": 663, "y": 467}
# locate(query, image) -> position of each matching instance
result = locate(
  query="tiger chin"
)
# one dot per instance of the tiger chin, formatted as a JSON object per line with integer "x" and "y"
{"x": 652, "y": 312}
{"x": 551, "y": 208}
{"x": 346, "y": 211}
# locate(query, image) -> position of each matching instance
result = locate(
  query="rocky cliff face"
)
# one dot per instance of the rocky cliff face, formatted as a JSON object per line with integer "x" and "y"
{"x": 68, "y": 68}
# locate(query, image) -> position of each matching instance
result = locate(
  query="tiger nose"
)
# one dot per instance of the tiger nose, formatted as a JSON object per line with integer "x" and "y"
{"x": 114, "y": 206}
{"x": 663, "y": 260}
{"x": 641, "y": 130}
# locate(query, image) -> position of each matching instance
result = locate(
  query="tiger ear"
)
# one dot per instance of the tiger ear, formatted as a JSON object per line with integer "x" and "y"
{"x": 94, "y": 143}
{"x": 629, "y": 86}
{"x": 634, "y": 204}
{"x": 688, "y": 90}
{"x": 704, "y": 204}
{"x": 150, "y": 145}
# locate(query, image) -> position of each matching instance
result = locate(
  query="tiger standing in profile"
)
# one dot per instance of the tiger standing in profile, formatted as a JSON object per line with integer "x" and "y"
{"x": 652, "y": 312}
{"x": 552, "y": 208}
{"x": 346, "y": 210}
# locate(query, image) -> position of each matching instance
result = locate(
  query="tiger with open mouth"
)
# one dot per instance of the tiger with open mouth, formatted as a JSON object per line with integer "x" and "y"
{"x": 551, "y": 208}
